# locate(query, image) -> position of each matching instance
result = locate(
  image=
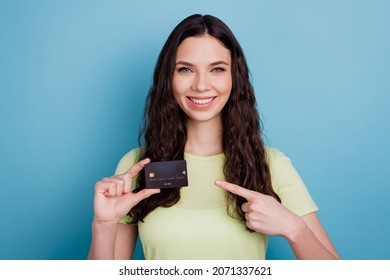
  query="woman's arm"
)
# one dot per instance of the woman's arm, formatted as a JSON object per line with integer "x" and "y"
{"x": 309, "y": 239}
{"x": 112, "y": 241}
{"x": 103, "y": 241}
{"x": 126, "y": 239}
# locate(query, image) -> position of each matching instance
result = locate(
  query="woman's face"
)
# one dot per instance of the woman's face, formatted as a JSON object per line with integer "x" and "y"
{"x": 202, "y": 79}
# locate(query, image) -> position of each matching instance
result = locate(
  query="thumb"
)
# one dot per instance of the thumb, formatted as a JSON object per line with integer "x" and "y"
{"x": 141, "y": 195}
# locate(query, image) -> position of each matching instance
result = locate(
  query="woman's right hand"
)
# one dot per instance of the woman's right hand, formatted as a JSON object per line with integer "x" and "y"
{"x": 113, "y": 197}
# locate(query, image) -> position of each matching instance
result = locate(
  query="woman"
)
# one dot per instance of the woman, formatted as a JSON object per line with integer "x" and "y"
{"x": 201, "y": 108}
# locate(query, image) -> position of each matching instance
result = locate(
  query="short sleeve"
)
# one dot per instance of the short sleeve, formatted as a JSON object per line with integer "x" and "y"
{"x": 287, "y": 183}
{"x": 127, "y": 161}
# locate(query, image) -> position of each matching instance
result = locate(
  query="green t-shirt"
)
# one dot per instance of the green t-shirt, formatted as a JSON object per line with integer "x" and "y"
{"x": 198, "y": 226}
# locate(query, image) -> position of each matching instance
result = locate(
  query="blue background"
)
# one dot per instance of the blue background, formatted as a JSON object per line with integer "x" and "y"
{"x": 73, "y": 79}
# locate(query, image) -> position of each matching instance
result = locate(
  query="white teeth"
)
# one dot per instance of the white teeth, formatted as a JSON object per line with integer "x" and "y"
{"x": 201, "y": 101}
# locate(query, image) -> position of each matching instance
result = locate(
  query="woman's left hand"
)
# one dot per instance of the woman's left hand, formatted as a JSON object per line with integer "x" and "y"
{"x": 263, "y": 213}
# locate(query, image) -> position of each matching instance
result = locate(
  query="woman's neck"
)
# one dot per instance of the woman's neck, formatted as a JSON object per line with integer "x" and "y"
{"x": 204, "y": 138}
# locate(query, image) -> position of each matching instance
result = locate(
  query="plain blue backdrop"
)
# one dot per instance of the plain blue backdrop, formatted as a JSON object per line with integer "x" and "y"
{"x": 73, "y": 80}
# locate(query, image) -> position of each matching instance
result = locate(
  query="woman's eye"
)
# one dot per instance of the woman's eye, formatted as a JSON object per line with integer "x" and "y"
{"x": 184, "y": 70}
{"x": 218, "y": 69}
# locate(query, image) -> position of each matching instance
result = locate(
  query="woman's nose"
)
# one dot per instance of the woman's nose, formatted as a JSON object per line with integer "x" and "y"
{"x": 201, "y": 82}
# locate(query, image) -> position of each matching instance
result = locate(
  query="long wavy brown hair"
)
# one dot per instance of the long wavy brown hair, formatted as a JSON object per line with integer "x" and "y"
{"x": 164, "y": 130}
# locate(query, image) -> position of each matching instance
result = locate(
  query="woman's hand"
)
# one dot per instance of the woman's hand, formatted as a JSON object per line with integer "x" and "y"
{"x": 263, "y": 213}
{"x": 113, "y": 197}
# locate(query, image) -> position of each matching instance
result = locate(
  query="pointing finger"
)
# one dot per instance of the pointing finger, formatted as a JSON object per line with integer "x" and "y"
{"x": 247, "y": 194}
{"x": 138, "y": 167}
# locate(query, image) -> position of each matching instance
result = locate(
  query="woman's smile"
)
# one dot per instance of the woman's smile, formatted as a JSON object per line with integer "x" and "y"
{"x": 201, "y": 102}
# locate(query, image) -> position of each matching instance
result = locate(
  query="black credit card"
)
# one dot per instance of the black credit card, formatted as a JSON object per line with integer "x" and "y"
{"x": 166, "y": 174}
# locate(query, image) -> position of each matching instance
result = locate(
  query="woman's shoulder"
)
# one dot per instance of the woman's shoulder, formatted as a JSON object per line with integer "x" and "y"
{"x": 277, "y": 161}
{"x": 273, "y": 154}
{"x": 288, "y": 184}
{"x": 127, "y": 161}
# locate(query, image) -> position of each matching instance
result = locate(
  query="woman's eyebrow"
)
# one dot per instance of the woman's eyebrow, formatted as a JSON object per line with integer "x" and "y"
{"x": 184, "y": 63}
{"x": 219, "y": 62}
{"x": 211, "y": 64}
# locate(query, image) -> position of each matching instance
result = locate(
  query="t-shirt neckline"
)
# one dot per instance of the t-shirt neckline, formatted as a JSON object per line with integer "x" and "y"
{"x": 196, "y": 157}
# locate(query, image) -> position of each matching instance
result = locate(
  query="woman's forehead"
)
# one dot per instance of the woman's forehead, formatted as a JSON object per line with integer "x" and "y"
{"x": 202, "y": 49}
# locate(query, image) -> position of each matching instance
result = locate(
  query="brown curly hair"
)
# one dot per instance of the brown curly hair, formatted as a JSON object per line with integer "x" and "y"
{"x": 164, "y": 129}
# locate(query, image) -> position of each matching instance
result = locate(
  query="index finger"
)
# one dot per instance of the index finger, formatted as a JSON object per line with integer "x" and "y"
{"x": 236, "y": 189}
{"x": 137, "y": 167}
